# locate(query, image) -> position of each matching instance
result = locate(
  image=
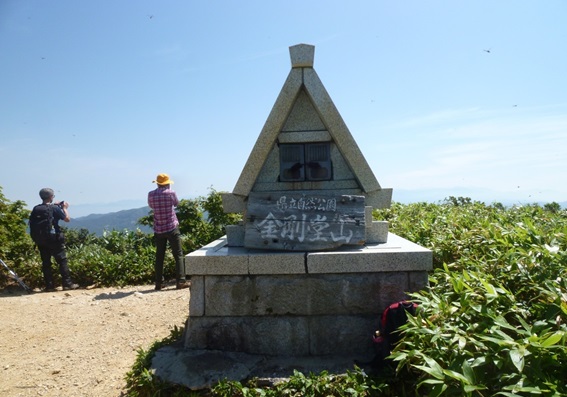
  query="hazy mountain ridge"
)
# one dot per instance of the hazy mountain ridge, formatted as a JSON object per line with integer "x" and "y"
{"x": 128, "y": 219}
{"x": 121, "y": 220}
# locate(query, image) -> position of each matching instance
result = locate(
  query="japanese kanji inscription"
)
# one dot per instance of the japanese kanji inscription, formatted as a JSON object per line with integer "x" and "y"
{"x": 298, "y": 221}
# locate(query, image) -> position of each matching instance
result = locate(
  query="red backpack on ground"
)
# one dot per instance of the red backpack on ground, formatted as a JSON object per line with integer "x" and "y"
{"x": 387, "y": 335}
{"x": 393, "y": 317}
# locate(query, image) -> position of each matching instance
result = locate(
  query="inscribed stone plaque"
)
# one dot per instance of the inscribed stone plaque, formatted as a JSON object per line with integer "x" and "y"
{"x": 299, "y": 221}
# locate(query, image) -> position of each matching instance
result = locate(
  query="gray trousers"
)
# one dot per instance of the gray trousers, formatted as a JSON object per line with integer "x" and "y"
{"x": 54, "y": 248}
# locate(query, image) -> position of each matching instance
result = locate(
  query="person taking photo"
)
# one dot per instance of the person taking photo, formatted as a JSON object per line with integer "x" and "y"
{"x": 49, "y": 238}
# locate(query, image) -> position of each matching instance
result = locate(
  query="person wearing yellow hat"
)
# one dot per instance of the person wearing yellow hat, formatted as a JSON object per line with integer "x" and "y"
{"x": 163, "y": 201}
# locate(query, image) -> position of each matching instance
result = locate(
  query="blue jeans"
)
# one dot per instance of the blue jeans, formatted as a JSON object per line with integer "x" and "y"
{"x": 174, "y": 239}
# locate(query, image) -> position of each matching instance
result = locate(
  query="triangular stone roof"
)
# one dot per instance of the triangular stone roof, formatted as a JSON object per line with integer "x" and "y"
{"x": 303, "y": 77}
{"x": 304, "y": 112}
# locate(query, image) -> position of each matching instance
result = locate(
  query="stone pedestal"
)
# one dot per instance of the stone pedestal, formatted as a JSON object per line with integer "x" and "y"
{"x": 298, "y": 303}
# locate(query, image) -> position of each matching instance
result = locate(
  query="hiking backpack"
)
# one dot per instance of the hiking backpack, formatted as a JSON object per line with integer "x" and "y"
{"x": 387, "y": 335}
{"x": 41, "y": 224}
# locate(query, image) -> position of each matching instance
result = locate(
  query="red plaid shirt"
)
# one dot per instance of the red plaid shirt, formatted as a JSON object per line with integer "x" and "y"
{"x": 163, "y": 201}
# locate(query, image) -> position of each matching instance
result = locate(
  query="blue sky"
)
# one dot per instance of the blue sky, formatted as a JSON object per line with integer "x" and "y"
{"x": 443, "y": 97}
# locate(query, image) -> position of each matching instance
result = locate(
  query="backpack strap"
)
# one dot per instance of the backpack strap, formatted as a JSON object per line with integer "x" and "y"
{"x": 50, "y": 216}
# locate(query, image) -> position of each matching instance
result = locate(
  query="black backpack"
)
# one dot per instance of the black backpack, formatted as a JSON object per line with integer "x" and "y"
{"x": 41, "y": 224}
{"x": 387, "y": 335}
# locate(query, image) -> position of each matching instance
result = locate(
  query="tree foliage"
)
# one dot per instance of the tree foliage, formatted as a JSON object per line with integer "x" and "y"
{"x": 201, "y": 220}
{"x": 494, "y": 321}
{"x": 115, "y": 258}
{"x": 16, "y": 246}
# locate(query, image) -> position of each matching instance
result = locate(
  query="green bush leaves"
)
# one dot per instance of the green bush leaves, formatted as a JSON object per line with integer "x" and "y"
{"x": 118, "y": 257}
{"x": 493, "y": 322}
{"x": 494, "y": 319}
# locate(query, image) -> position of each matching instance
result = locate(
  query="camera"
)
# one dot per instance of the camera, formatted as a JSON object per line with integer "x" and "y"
{"x": 61, "y": 204}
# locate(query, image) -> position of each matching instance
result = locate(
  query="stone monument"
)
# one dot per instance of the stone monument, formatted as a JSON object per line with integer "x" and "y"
{"x": 308, "y": 271}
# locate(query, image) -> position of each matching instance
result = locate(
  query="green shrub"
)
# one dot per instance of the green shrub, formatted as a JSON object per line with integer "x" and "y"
{"x": 16, "y": 246}
{"x": 353, "y": 383}
{"x": 494, "y": 318}
{"x": 117, "y": 258}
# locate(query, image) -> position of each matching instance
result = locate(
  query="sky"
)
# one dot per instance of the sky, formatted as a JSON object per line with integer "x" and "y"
{"x": 444, "y": 98}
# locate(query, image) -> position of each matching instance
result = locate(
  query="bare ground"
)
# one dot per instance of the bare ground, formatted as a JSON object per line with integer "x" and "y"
{"x": 82, "y": 342}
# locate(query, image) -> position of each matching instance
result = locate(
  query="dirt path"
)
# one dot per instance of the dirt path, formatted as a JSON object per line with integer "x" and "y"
{"x": 82, "y": 342}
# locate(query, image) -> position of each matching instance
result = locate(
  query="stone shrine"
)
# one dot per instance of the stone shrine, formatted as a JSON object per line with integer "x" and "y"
{"x": 308, "y": 271}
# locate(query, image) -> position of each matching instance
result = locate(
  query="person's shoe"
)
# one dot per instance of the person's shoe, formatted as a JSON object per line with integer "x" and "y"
{"x": 67, "y": 287}
{"x": 158, "y": 287}
{"x": 183, "y": 284}
{"x": 49, "y": 288}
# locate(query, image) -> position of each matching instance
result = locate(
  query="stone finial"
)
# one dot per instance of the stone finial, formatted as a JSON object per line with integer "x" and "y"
{"x": 302, "y": 55}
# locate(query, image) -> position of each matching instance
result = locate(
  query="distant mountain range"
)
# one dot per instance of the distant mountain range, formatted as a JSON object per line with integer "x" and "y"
{"x": 128, "y": 219}
{"x": 121, "y": 220}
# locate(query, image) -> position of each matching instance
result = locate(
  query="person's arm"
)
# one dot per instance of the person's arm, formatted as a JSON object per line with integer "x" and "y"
{"x": 61, "y": 210}
{"x": 64, "y": 208}
{"x": 67, "y": 216}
